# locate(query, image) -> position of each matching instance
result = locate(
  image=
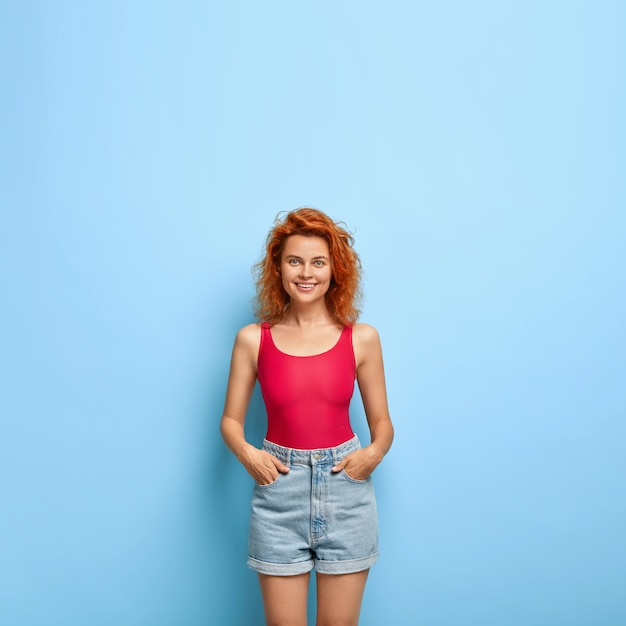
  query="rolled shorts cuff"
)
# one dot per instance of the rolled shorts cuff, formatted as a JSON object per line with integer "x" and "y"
{"x": 346, "y": 567}
{"x": 280, "y": 569}
{"x": 322, "y": 567}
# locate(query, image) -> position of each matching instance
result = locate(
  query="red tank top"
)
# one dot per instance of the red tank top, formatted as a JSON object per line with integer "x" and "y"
{"x": 307, "y": 397}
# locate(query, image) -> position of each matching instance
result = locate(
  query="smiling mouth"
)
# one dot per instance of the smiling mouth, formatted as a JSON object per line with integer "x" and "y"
{"x": 305, "y": 285}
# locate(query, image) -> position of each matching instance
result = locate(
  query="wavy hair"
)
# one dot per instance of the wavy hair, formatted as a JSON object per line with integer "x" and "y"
{"x": 344, "y": 294}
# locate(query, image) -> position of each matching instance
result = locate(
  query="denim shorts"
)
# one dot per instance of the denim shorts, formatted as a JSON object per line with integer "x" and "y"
{"x": 312, "y": 517}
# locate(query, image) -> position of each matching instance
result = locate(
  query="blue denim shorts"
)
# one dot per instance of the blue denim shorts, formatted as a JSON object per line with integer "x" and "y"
{"x": 312, "y": 517}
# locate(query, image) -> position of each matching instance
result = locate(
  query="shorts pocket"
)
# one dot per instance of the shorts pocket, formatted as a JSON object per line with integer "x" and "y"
{"x": 356, "y": 481}
{"x": 274, "y": 482}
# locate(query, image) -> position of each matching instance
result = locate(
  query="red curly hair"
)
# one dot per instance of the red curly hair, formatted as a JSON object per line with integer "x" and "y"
{"x": 344, "y": 293}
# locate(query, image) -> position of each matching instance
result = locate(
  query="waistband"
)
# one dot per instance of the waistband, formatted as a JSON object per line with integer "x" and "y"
{"x": 312, "y": 457}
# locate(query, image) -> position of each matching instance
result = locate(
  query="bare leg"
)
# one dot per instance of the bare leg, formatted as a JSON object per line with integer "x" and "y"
{"x": 339, "y": 598}
{"x": 284, "y": 599}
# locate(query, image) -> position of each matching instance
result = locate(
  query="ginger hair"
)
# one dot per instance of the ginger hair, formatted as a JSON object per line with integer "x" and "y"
{"x": 344, "y": 293}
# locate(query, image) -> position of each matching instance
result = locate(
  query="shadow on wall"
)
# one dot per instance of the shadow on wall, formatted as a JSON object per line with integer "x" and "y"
{"x": 231, "y": 588}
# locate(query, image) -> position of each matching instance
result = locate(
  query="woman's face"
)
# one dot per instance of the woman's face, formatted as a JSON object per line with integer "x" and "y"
{"x": 305, "y": 268}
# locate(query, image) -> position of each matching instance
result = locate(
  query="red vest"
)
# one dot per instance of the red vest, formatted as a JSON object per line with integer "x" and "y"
{"x": 307, "y": 397}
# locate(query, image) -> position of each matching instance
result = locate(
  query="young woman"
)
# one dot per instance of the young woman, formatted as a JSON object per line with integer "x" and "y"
{"x": 313, "y": 504}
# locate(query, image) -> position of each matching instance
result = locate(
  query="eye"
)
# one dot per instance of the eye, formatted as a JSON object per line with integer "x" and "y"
{"x": 319, "y": 263}
{"x": 293, "y": 261}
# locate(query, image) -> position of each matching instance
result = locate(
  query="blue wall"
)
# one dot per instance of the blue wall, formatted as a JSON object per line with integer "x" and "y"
{"x": 478, "y": 151}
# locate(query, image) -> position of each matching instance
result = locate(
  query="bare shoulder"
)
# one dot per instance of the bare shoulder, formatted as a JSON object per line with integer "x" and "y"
{"x": 365, "y": 334}
{"x": 248, "y": 338}
{"x": 366, "y": 344}
{"x": 249, "y": 332}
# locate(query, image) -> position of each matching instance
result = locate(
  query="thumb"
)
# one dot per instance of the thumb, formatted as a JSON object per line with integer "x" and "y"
{"x": 340, "y": 465}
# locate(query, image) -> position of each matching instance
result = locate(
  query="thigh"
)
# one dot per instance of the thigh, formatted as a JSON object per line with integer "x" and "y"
{"x": 285, "y": 599}
{"x": 339, "y": 598}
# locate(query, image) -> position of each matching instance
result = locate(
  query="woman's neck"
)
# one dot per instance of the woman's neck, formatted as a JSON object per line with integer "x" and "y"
{"x": 306, "y": 316}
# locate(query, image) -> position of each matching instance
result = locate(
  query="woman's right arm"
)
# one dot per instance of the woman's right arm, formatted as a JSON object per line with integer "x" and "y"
{"x": 262, "y": 466}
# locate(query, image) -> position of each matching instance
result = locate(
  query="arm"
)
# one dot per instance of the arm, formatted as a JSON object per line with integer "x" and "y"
{"x": 262, "y": 466}
{"x": 371, "y": 379}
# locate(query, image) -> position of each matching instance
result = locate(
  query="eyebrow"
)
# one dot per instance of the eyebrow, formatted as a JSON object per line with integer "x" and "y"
{"x": 315, "y": 258}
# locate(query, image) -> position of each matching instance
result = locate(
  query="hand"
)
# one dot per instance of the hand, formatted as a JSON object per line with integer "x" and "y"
{"x": 359, "y": 464}
{"x": 261, "y": 465}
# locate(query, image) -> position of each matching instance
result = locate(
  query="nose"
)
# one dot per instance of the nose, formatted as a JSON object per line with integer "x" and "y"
{"x": 305, "y": 271}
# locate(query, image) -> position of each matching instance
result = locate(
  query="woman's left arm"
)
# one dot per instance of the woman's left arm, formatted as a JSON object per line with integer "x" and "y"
{"x": 371, "y": 378}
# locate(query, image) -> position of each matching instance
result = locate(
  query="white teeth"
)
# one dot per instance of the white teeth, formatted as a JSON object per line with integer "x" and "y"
{"x": 305, "y": 285}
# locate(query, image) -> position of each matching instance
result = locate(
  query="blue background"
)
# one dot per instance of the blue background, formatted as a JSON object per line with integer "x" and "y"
{"x": 476, "y": 149}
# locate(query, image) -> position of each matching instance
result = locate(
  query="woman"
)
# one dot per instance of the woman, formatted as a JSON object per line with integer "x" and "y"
{"x": 313, "y": 504}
